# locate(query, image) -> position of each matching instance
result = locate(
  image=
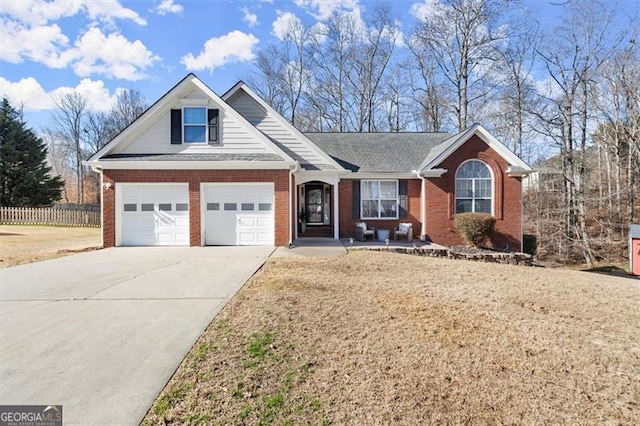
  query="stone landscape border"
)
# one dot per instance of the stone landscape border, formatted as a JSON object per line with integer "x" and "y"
{"x": 478, "y": 256}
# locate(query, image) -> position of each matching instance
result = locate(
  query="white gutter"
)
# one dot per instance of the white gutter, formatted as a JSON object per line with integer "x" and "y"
{"x": 98, "y": 170}
{"x": 432, "y": 172}
{"x": 292, "y": 213}
{"x": 191, "y": 165}
{"x": 423, "y": 205}
{"x": 515, "y": 171}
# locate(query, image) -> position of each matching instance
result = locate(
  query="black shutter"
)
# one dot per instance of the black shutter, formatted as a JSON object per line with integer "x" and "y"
{"x": 402, "y": 192}
{"x": 355, "y": 202}
{"x": 176, "y": 126}
{"x": 212, "y": 117}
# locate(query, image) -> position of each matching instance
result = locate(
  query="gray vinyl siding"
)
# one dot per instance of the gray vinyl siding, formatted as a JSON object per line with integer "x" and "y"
{"x": 235, "y": 139}
{"x": 288, "y": 141}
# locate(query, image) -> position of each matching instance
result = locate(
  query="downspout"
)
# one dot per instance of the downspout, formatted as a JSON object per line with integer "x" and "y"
{"x": 521, "y": 214}
{"x": 292, "y": 213}
{"x": 98, "y": 169}
{"x": 423, "y": 206}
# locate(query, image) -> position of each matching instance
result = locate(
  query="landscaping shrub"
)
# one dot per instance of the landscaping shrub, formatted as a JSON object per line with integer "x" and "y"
{"x": 475, "y": 228}
{"x": 529, "y": 244}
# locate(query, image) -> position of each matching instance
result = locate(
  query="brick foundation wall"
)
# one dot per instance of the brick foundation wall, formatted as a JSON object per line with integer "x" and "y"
{"x": 440, "y": 198}
{"x": 194, "y": 178}
{"x": 348, "y": 222}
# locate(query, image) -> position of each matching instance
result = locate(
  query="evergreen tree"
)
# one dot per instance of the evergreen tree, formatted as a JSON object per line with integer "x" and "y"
{"x": 25, "y": 179}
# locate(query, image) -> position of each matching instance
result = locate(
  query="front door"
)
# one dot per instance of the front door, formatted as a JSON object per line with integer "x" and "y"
{"x": 314, "y": 202}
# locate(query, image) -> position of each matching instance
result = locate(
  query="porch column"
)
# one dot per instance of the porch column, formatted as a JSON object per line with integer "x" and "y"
{"x": 423, "y": 208}
{"x": 336, "y": 211}
{"x": 295, "y": 210}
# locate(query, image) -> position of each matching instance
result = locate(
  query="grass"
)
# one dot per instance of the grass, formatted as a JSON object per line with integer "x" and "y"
{"x": 380, "y": 338}
{"x": 26, "y": 244}
{"x": 259, "y": 346}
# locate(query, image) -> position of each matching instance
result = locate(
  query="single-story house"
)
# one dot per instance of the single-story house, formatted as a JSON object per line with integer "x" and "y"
{"x": 201, "y": 169}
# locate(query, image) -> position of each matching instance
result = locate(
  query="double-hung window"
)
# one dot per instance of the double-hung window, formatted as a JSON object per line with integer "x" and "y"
{"x": 379, "y": 199}
{"x": 195, "y": 124}
{"x": 474, "y": 188}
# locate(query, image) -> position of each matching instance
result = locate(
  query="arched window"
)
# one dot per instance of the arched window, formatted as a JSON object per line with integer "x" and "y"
{"x": 474, "y": 188}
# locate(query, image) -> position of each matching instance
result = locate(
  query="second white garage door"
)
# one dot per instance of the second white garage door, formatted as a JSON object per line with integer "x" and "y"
{"x": 239, "y": 214}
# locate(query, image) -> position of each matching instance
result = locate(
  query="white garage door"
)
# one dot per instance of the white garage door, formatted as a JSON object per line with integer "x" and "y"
{"x": 239, "y": 214}
{"x": 154, "y": 214}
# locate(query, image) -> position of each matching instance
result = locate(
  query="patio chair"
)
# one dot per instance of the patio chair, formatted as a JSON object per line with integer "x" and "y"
{"x": 404, "y": 230}
{"x": 362, "y": 231}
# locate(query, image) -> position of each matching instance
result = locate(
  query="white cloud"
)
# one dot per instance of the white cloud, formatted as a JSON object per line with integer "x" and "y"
{"x": 29, "y": 93}
{"x": 322, "y": 9}
{"x": 548, "y": 87}
{"x": 168, "y": 6}
{"x": 394, "y": 34}
{"x": 34, "y": 12}
{"x": 235, "y": 46}
{"x": 93, "y": 53}
{"x": 284, "y": 23}
{"x": 43, "y": 43}
{"x": 98, "y": 96}
{"x": 111, "y": 55}
{"x": 106, "y": 10}
{"x": 426, "y": 9}
{"x": 320, "y": 31}
{"x": 40, "y": 12}
{"x": 250, "y": 18}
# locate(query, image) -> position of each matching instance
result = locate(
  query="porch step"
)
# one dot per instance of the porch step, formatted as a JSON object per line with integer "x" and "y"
{"x": 317, "y": 231}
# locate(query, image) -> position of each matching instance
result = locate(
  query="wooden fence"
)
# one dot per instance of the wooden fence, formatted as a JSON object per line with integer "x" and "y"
{"x": 48, "y": 216}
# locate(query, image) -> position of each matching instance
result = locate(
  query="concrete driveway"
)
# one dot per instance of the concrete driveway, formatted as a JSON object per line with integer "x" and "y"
{"x": 102, "y": 332}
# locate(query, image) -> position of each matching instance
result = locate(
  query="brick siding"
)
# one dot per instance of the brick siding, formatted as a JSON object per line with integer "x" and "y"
{"x": 348, "y": 222}
{"x": 440, "y": 199}
{"x": 440, "y": 202}
{"x": 194, "y": 178}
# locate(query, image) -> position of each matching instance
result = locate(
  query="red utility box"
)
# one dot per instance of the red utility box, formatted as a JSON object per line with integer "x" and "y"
{"x": 634, "y": 248}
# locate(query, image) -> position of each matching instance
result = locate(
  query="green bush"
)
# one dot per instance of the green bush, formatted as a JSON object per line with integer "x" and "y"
{"x": 475, "y": 228}
{"x": 529, "y": 244}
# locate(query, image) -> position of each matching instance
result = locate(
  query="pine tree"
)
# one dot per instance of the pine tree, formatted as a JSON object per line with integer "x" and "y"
{"x": 25, "y": 179}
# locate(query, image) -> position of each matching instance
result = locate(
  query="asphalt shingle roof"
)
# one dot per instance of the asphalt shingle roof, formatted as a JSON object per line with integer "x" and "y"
{"x": 379, "y": 152}
{"x": 193, "y": 157}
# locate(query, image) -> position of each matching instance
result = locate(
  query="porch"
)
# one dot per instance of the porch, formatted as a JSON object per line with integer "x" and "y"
{"x": 317, "y": 209}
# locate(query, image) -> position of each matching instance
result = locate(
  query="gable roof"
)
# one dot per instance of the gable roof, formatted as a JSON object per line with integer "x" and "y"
{"x": 439, "y": 153}
{"x": 407, "y": 152}
{"x": 378, "y": 152}
{"x": 164, "y": 104}
{"x": 284, "y": 134}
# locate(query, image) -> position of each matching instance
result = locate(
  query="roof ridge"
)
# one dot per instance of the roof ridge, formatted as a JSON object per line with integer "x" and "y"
{"x": 378, "y": 133}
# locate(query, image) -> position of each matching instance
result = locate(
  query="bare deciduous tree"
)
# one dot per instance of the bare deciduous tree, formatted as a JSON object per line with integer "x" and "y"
{"x": 130, "y": 104}
{"x": 573, "y": 58}
{"x": 460, "y": 38}
{"x": 516, "y": 57}
{"x": 71, "y": 109}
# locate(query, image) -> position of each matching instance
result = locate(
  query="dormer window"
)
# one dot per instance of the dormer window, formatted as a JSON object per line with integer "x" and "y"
{"x": 195, "y": 125}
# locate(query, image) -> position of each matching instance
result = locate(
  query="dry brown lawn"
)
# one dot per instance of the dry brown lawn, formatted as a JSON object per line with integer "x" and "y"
{"x": 382, "y": 338}
{"x": 26, "y": 244}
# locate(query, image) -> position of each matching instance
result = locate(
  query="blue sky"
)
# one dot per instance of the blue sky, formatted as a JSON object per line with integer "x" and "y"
{"x": 98, "y": 47}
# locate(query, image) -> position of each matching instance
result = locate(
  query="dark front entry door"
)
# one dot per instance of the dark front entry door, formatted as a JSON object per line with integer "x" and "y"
{"x": 314, "y": 202}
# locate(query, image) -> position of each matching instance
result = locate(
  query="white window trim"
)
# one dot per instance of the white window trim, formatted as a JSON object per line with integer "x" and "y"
{"x": 207, "y": 127}
{"x": 379, "y": 199}
{"x": 473, "y": 204}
